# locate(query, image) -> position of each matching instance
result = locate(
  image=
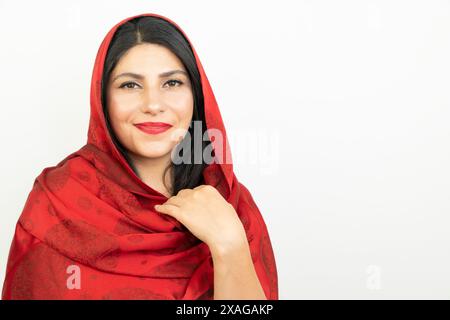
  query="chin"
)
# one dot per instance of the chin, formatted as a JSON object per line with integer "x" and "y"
{"x": 154, "y": 149}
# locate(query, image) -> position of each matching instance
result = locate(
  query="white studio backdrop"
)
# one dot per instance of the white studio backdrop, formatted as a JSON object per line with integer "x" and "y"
{"x": 338, "y": 114}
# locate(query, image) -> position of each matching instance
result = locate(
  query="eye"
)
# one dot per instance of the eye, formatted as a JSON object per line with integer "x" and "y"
{"x": 127, "y": 84}
{"x": 174, "y": 82}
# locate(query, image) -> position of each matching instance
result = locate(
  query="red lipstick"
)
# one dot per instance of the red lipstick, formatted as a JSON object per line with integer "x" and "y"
{"x": 153, "y": 127}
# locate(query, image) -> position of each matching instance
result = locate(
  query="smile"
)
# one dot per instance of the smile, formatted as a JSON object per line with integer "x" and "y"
{"x": 153, "y": 127}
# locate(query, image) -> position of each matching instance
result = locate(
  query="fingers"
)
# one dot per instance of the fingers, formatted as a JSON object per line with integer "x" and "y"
{"x": 206, "y": 187}
{"x": 175, "y": 200}
{"x": 169, "y": 209}
{"x": 203, "y": 186}
{"x": 183, "y": 192}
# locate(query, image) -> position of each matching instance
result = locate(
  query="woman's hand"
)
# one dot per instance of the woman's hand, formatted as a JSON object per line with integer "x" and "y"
{"x": 208, "y": 216}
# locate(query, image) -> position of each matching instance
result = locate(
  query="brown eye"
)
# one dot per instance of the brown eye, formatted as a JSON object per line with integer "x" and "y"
{"x": 128, "y": 84}
{"x": 174, "y": 83}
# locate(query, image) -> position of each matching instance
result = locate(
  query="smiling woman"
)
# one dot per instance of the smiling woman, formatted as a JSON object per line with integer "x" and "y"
{"x": 118, "y": 218}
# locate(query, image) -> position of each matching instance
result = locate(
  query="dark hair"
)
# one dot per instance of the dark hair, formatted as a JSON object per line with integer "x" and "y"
{"x": 148, "y": 29}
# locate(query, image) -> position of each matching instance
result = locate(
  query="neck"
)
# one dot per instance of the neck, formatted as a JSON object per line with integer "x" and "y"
{"x": 151, "y": 171}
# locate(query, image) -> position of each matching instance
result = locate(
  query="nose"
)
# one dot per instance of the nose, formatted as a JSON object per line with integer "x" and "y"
{"x": 152, "y": 102}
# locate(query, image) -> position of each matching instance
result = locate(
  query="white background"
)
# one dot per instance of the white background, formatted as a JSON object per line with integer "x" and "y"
{"x": 350, "y": 100}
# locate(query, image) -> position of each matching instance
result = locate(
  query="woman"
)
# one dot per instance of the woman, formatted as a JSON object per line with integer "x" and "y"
{"x": 134, "y": 214}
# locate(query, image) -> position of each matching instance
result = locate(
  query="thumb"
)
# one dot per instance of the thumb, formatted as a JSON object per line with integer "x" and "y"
{"x": 168, "y": 209}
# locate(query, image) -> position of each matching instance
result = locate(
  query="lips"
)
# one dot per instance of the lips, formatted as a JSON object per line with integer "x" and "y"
{"x": 153, "y": 127}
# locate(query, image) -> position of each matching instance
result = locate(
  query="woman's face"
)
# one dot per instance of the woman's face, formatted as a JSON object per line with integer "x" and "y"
{"x": 149, "y": 84}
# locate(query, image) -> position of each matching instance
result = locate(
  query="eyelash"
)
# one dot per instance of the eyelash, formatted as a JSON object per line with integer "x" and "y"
{"x": 128, "y": 83}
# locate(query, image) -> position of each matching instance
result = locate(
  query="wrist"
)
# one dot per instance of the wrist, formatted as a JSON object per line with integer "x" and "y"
{"x": 226, "y": 250}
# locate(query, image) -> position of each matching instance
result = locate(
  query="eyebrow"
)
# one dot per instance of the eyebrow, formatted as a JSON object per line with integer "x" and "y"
{"x": 140, "y": 76}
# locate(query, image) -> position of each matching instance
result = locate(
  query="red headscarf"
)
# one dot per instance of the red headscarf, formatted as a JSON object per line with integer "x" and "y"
{"x": 91, "y": 216}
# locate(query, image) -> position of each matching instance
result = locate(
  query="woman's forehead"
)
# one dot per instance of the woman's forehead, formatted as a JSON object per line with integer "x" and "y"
{"x": 148, "y": 59}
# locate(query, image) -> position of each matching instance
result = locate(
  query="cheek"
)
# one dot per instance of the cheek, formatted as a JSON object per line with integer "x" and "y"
{"x": 119, "y": 114}
{"x": 120, "y": 108}
{"x": 183, "y": 107}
